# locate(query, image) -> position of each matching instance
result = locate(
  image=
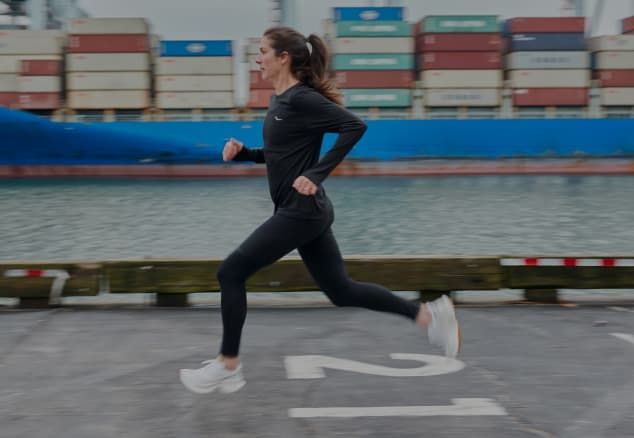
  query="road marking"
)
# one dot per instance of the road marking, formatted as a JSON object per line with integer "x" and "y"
{"x": 621, "y": 309}
{"x": 624, "y": 336}
{"x": 460, "y": 407}
{"x": 312, "y": 366}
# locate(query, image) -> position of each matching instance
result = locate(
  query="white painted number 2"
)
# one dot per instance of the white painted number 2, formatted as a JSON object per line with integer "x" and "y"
{"x": 312, "y": 366}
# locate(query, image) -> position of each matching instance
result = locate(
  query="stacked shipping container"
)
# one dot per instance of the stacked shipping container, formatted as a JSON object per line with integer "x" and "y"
{"x": 30, "y": 66}
{"x": 108, "y": 64}
{"x": 195, "y": 75}
{"x": 547, "y": 64}
{"x": 613, "y": 60}
{"x": 373, "y": 58}
{"x": 259, "y": 90}
{"x": 459, "y": 60}
{"x": 628, "y": 25}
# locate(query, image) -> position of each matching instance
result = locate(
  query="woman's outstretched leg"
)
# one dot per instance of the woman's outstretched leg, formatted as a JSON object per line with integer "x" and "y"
{"x": 325, "y": 263}
{"x": 272, "y": 240}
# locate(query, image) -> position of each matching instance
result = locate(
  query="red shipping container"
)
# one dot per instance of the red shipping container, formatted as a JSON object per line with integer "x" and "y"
{"x": 550, "y": 97}
{"x": 628, "y": 25}
{"x": 9, "y": 100}
{"x": 615, "y": 78}
{"x": 40, "y": 67}
{"x": 257, "y": 83}
{"x": 459, "y": 42}
{"x": 121, "y": 43}
{"x": 416, "y": 27}
{"x": 32, "y": 101}
{"x": 548, "y": 24}
{"x": 460, "y": 61}
{"x": 259, "y": 98}
{"x": 375, "y": 79}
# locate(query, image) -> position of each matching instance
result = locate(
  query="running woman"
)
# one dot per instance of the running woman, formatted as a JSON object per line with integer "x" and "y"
{"x": 305, "y": 105}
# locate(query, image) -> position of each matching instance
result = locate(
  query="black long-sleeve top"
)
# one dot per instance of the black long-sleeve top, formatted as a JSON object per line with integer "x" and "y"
{"x": 294, "y": 129}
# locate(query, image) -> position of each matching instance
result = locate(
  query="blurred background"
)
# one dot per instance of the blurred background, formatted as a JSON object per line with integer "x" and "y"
{"x": 114, "y": 113}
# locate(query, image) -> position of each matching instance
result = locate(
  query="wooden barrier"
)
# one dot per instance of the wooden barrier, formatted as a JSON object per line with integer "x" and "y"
{"x": 173, "y": 280}
{"x": 34, "y": 290}
{"x": 542, "y": 277}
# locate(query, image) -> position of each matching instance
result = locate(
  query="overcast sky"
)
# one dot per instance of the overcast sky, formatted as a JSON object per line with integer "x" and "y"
{"x": 233, "y": 19}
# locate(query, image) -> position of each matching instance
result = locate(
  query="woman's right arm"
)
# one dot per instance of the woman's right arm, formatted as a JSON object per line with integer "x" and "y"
{"x": 237, "y": 151}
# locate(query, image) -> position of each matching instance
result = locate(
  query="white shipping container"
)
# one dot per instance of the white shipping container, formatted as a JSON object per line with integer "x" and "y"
{"x": 108, "y": 81}
{"x": 329, "y": 29}
{"x": 33, "y": 34}
{"x": 127, "y": 99}
{"x": 373, "y": 45}
{"x": 614, "y": 61}
{"x": 547, "y": 60}
{"x": 184, "y": 100}
{"x": 39, "y": 84}
{"x": 549, "y": 78}
{"x": 12, "y": 63}
{"x": 611, "y": 42}
{"x": 8, "y": 83}
{"x": 185, "y": 65}
{"x": 108, "y": 25}
{"x": 253, "y": 66}
{"x": 462, "y": 97}
{"x": 91, "y": 62}
{"x": 17, "y": 45}
{"x": 617, "y": 96}
{"x": 194, "y": 83}
{"x": 253, "y": 46}
{"x": 461, "y": 78}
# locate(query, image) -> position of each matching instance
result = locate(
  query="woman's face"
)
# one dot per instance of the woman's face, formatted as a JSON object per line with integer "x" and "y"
{"x": 270, "y": 64}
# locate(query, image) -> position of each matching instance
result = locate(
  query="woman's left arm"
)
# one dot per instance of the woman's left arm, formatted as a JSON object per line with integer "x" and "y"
{"x": 326, "y": 116}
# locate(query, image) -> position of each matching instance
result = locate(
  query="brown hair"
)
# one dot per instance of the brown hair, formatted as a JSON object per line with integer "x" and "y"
{"x": 309, "y": 59}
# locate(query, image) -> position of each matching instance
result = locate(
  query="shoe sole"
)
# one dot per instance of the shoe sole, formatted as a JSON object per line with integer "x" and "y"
{"x": 459, "y": 339}
{"x": 458, "y": 331}
{"x": 225, "y": 387}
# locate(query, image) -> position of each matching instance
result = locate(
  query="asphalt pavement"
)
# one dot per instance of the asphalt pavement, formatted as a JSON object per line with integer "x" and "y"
{"x": 524, "y": 371}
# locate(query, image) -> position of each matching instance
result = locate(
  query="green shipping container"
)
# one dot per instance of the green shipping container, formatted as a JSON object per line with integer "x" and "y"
{"x": 377, "y": 98}
{"x": 461, "y": 24}
{"x": 373, "y": 62}
{"x": 372, "y": 29}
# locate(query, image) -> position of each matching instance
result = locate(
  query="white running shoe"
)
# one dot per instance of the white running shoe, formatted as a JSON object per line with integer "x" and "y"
{"x": 444, "y": 330}
{"x": 212, "y": 376}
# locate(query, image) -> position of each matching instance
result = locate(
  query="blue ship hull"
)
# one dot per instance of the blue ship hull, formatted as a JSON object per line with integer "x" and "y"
{"x": 28, "y": 140}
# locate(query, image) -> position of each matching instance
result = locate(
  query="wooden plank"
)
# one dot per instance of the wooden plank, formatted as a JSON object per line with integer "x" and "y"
{"x": 83, "y": 281}
{"x": 163, "y": 276}
{"x": 443, "y": 274}
{"x": 290, "y": 274}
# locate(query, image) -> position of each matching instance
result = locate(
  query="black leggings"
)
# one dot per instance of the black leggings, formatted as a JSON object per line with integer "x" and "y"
{"x": 318, "y": 248}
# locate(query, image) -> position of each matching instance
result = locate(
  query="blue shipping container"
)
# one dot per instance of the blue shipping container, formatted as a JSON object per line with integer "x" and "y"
{"x": 196, "y": 48}
{"x": 369, "y": 14}
{"x": 547, "y": 41}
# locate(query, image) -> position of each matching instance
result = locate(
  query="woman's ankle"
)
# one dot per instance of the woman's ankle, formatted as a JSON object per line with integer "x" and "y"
{"x": 423, "y": 318}
{"x": 230, "y": 363}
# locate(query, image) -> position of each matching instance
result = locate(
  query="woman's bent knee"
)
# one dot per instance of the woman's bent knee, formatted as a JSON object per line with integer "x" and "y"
{"x": 235, "y": 268}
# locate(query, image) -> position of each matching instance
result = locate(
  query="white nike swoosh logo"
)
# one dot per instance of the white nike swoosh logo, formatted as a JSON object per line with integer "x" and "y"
{"x": 277, "y": 118}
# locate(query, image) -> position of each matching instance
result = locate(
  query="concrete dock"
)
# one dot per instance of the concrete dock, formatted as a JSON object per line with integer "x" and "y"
{"x": 524, "y": 371}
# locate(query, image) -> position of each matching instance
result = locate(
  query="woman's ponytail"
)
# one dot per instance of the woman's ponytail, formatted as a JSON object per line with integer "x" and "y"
{"x": 319, "y": 69}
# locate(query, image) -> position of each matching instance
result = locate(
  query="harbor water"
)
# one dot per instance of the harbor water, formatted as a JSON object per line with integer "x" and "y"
{"x": 91, "y": 219}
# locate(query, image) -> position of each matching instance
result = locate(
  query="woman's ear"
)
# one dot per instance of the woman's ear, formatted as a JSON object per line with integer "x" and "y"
{"x": 285, "y": 58}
